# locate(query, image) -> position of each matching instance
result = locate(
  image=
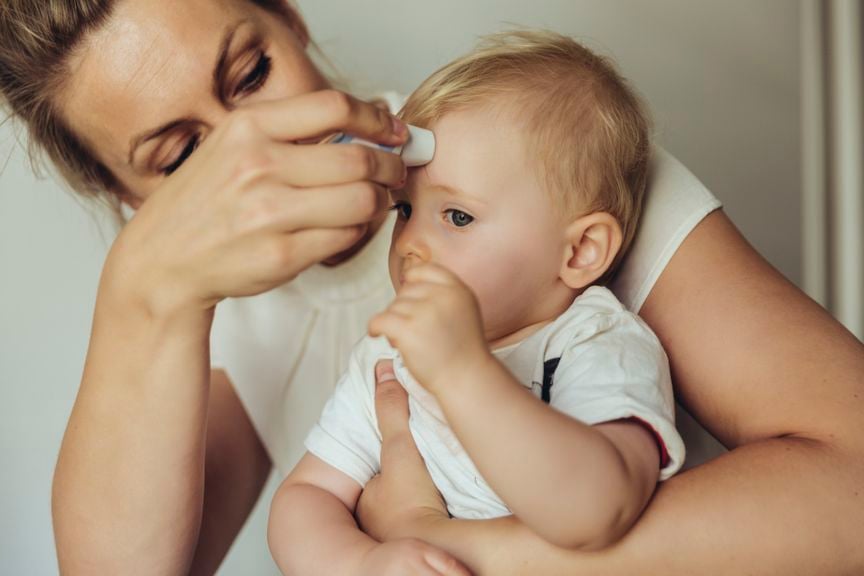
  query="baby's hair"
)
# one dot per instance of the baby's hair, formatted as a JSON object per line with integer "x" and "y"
{"x": 585, "y": 125}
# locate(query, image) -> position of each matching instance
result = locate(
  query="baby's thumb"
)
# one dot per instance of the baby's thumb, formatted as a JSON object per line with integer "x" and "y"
{"x": 391, "y": 401}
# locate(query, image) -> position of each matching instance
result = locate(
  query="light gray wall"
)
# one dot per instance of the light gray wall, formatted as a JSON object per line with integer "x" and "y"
{"x": 721, "y": 77}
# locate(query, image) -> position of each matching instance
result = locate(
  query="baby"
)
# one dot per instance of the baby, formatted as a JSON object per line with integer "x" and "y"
{"x": 532, "y": 390}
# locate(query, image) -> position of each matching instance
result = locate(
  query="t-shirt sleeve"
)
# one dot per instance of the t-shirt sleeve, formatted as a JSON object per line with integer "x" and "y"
{"x": 675, "y": 202}
{"x": 621, "y": 372}
{"x": 346, "y": 436}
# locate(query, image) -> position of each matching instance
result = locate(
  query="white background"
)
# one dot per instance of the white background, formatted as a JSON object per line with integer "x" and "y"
{"x": 721, "y": 78}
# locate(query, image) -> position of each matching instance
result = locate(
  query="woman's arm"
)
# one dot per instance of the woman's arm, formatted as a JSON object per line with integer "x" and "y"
{"x": 772, "y": 375}
{"x": 236, "y": 469}
{"x": 246, "y": 213}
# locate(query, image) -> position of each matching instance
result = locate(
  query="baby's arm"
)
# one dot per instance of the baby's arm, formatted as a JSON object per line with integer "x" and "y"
{"x": 312, "y": 531}
{"x": 312, "y": 515}
{"x": 576, "y": 486}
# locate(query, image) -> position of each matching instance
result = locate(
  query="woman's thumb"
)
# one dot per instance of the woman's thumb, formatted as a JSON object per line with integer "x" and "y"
{"x": 391, "y": 401}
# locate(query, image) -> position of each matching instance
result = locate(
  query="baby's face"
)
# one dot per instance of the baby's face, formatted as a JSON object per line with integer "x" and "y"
{"x": 479, "y": 210}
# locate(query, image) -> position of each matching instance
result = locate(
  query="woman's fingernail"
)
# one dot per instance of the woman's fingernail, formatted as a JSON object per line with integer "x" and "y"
{"x": 399, "y": 127}
{"x": 384, "y": 372}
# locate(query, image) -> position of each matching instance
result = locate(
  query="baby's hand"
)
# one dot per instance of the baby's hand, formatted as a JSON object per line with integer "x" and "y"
{"x": 401, "y": 557}
{"x": 435, "y": 324}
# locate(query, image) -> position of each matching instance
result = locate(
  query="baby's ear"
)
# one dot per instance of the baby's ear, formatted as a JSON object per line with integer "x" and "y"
{"x": 592, "y": 242}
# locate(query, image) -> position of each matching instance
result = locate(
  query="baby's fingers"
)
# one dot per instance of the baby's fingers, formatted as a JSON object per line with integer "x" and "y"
{"x": 388, "y": 324}
{"x": 431, "y": 273}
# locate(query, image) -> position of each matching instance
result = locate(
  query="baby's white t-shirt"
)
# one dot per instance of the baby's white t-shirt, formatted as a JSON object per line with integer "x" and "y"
{"x": 285, "y": 350}
{"x": 608, "y": 366}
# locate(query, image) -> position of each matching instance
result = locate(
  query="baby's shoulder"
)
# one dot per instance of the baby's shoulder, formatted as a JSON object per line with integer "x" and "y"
{"x": 598, "y": 318}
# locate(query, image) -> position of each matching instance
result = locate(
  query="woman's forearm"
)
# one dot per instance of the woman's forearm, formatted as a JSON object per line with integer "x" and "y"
{"x": 748, "y": 512}
{"x": 128, "y": 487}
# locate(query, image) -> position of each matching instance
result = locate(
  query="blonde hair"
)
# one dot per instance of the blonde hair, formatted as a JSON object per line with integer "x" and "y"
{"x": 37, "y": 38}
{"x": 582, "y": 121}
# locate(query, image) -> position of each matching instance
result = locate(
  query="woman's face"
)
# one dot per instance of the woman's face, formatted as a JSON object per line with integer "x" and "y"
{"x": 149, "y": 85}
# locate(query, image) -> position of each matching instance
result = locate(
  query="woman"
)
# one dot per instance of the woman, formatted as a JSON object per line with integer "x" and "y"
{"x": 189, "y": 112}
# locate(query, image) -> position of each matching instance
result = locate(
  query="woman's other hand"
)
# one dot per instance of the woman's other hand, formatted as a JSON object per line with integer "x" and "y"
{"x": 252, "y": 208}
{"x": 410, "y": 557}
{"x": 402, "y": 498}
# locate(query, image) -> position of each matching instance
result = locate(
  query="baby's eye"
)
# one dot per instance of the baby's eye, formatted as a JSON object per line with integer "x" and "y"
{"x": 403, "y": 209}
{"x": 458, "y": 218}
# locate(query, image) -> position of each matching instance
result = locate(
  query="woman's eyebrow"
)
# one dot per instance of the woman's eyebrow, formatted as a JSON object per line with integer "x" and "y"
{"x": 219, "y": 72}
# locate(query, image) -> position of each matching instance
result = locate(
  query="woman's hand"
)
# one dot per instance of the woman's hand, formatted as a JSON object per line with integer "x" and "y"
{"x": 252, "y": 208}
{"x": 400, "y": 501}
{"x": 410, "y": 557}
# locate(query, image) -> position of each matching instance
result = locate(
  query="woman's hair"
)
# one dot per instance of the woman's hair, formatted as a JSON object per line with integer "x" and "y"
{"x": 37, "y": 38}
{"x": 586, "y": 129}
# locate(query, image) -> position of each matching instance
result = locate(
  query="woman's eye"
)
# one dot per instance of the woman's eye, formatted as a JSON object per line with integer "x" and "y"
{"x": 403, "y": 209}
{"x": 458, "y": 218}
{"x": 184, "y": 155}
{"x": 256, "y": 78}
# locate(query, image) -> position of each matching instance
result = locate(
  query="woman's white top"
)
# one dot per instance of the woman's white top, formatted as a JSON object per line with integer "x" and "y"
{"x": 597, "y": 362}
{"x": 285, "y": 350}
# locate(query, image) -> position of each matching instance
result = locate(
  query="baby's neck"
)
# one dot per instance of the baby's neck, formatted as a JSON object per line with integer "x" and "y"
{"x": 548, "y": 316}
{"x": 518, "y": 335}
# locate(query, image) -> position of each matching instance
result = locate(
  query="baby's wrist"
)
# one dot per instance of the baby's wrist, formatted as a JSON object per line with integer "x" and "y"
{"x": 470, "y": 370}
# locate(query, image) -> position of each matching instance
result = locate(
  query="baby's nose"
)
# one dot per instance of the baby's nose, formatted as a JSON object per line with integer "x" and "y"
{"x": 410, "y": 245}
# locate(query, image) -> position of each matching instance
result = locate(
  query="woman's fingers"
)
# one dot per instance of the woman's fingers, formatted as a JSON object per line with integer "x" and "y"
{"x": 321, "y": 113}
{"x": 287, "y": 209}
{"x": 391, "y": 402}
{"x": 325, "y": 164}
{"x": 308, "y": 247}
{"x": 278, "y": 258}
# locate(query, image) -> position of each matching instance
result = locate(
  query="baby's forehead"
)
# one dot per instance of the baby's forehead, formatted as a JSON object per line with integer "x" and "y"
{"x": 476, "y": 162}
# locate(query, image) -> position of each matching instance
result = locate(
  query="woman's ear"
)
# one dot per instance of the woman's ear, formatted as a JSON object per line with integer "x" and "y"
{"x": 593, "y": 241}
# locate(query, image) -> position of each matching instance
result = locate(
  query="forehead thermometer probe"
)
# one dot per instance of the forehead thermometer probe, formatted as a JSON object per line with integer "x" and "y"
{"x": 417, "y": 151}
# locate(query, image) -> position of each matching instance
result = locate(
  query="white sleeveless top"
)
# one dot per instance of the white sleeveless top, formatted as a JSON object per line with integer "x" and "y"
{"x": 285, "y": 350}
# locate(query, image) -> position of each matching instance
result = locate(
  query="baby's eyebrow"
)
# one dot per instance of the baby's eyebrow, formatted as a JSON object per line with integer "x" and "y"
{"x": 458, "y": 192}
